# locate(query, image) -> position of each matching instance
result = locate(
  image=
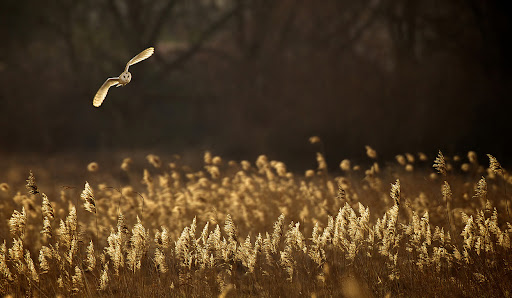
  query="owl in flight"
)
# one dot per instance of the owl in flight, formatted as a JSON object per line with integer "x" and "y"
{"x": 123, "y": 79}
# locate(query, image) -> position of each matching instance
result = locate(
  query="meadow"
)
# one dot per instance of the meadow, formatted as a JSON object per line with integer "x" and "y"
{"x": 416, "y": 226}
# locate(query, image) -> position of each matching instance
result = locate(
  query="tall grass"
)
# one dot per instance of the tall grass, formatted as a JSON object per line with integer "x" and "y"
{"x": 256, "y": 229}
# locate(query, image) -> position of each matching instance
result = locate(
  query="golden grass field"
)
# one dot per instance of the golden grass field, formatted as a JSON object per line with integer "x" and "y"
{"x": 414, "y": 226}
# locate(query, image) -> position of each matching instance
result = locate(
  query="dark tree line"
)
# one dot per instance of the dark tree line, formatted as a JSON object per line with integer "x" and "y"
{"x": 432, "y": 72}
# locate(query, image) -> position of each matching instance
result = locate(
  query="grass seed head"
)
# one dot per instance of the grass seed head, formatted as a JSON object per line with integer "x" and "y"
{"x": 126, "y": 164}
{"x": 322, "y": 164}
{"x": 440, "y": 163}
{"x": 395, "y": 192}
{"x": 88, "y": 197}
{"x": 495, "y": 166}
{"x": 4, "y": 187}
{"x": 93, "y": 167}
{"x": 31, "y": 184}
{"x": 47, "y": 228}
{"x": 31, "y": 268}
{"x": 154, "y": 160}
{"x": 91, "y": 258}
{"x": 17, "y": 223}
{"x": 401, "y": 160}
{"x": 104, "y": 278}
{"x": 77, "y": 280}
{"x": 46, "y": 207}
{"x": 371, "y": 152}
{"x": 345, "y": 165}
{"x": 472, "y": 157}
{"x": 314, "y": 140}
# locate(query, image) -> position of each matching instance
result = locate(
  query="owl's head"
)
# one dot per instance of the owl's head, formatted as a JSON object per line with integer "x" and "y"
{"x": 125, "y": 78}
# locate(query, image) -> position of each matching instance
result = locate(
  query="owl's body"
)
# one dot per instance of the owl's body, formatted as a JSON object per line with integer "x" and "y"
{"x": 122, "y": 80}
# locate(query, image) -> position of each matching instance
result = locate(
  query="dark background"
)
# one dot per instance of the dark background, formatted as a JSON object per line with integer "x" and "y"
{"x": 244, "y": 77}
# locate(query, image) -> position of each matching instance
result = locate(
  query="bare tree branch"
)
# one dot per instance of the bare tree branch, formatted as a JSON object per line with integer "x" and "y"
{"x": 118, "y": 16}
{"x": 262, "y": 14}
{"x": 157, "y": 27}
{"x": 196, "y": 46}
{"x": 360, "y": 25}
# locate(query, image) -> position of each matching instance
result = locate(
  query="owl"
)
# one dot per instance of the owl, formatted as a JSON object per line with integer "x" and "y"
{"x": 124, "y": 78}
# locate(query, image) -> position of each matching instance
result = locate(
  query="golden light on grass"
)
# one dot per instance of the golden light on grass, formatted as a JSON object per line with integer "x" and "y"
{"x": 47, "y": 229}
{"x": 217, "y": 160}
{"x": 246, "y": 165}
{"x": 371, "y": 152}
{"x": 422, "y": 156}
{"x": 322, "y": 164}
{"x": 395, "y": 192}
{"x": 472, "y": 157}
{"x": 77, "y": 280}
{"x": 495, "y": 166}
{"x": 93, "y": 167}
{"x": 401, "y": 159}
{"x": 154, "y": 160}
{"x": 4, "y": 187}
{"x": 31, "y": 184}
{"x": 88, "y": 197}
{"x": 17, "y": 223}
{"x": 207, "y": 157}
{"x": 46, "y": 207}
{"x": 104, "y": 278}
{"x": 440, "y": 163}
{"x": 126, "y": 164}
{"x": 345, "y": 165}
{"x": 238, "y": 229}
{"x": 314, "y": 140}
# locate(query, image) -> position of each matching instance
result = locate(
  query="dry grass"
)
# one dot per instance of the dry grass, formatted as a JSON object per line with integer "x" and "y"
{"x": 235, "y": 229}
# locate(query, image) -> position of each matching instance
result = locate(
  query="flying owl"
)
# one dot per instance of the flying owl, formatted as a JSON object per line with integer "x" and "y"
{"x": 123, "y": 79}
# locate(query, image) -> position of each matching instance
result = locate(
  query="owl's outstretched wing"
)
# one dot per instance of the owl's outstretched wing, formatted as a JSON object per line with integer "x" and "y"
{"x": 141, "y": 56}
{"x": 102, "y": 92}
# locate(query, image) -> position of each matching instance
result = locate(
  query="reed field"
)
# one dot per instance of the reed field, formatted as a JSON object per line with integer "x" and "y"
{"x": 415, "y": 226}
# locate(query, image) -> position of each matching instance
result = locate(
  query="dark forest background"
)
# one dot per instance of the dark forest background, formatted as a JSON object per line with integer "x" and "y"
{"x": 244, "y": 77}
